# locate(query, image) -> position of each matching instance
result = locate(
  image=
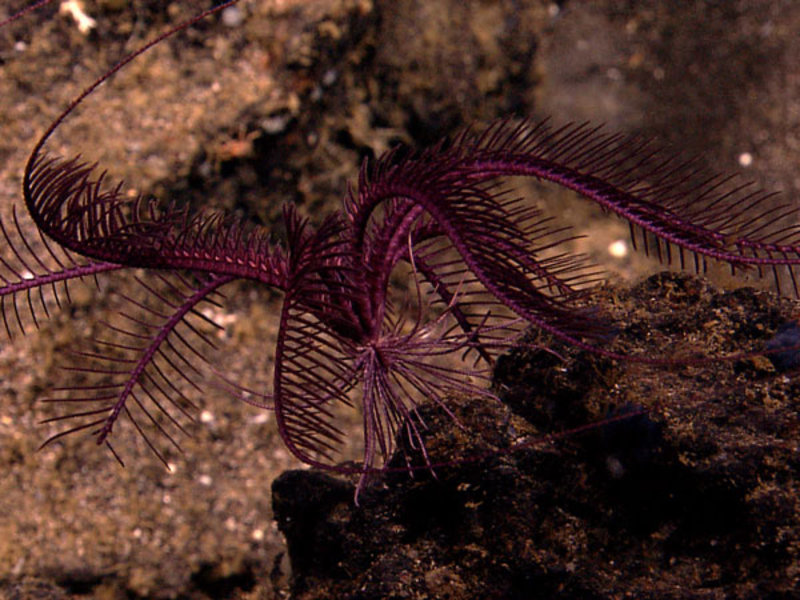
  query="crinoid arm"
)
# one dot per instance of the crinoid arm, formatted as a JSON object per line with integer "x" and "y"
{"x": 473, "y": 239}
{"x": 133, "y": 368}
{"x": 83, "y": 214}
{"x": 149, "y": 359}
{"x": 676, "y": 210}
{"x": 35, "y": 276}
{"x": 144, "y": 366}
{"x": 674, "y": 206}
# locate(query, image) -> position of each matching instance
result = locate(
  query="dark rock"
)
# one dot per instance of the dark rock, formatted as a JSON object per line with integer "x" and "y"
{"x": 685, "y": 490}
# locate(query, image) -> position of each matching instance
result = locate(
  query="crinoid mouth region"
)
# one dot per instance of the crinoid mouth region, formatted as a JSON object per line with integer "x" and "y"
{"x": 401, "y": 373}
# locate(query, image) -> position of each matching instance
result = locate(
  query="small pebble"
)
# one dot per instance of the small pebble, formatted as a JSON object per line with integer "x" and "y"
{"x": 232, "y": 16}
{"x": 618, "y": 249}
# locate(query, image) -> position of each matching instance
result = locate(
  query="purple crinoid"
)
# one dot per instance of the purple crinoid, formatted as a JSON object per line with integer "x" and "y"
{"x": 484, "y": 266}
